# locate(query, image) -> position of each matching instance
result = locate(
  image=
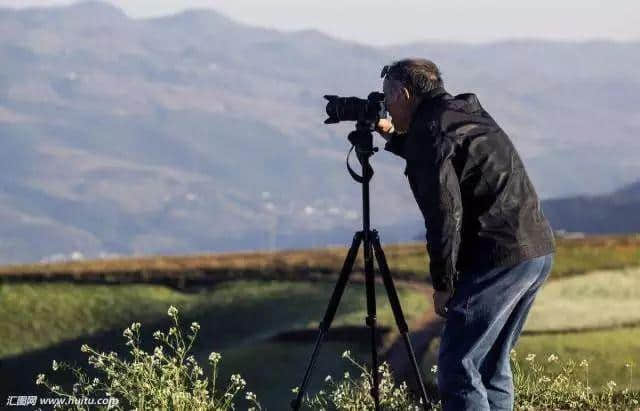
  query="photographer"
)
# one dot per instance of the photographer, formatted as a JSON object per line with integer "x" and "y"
{"x": 489, "y": 243}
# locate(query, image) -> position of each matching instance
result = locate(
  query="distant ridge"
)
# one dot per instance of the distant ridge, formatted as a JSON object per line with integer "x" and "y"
{"x": 195, "y": 133}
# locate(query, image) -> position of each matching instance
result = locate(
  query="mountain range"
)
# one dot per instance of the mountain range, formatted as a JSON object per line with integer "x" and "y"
{"x": 193, "y": 132}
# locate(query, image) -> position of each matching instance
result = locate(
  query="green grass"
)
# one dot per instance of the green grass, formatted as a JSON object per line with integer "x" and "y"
{"x": 607, "y": 352}
{"x": 601, "y": 299}
{"x": 271, "y": 369}
{"x": 39, "y": 315}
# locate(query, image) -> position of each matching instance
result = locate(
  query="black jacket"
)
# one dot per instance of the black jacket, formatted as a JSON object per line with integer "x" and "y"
{"x": 480, "y": 208}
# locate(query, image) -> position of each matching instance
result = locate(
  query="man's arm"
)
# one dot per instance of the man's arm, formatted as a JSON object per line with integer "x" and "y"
{"x": 395, "y": 144}
{"x": 395, "y": 140}
{"x": 441, "y": 204}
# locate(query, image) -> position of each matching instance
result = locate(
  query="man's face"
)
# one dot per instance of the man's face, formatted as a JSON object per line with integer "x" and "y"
{"x": 398, "y": 103}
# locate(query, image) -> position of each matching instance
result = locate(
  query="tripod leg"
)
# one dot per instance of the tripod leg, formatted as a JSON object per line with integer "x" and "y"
{"x": 329, "y": 314}
{"x": 371, "y": 316}
{"x": 397, "y": 312}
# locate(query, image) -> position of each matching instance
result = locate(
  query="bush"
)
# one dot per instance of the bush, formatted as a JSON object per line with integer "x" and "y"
{"x": 352, "y": 394}
{"x": 168, "y": 378}
{"x": 537, "y": 387}
{"x": 568, "y": 387}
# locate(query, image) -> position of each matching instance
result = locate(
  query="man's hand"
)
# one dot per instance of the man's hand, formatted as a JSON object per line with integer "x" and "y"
{"x": 440, "y": 299}
{"x": 385, "y": 128}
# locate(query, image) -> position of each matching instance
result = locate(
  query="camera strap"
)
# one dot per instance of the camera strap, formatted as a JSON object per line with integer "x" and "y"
{"x": 367, "y": 171}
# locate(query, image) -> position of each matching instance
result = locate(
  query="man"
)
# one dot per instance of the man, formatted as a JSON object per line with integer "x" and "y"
{"x": 489, "y": 243}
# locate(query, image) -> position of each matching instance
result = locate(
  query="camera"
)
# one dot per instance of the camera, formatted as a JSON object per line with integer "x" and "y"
{"x": 356, "y": 109}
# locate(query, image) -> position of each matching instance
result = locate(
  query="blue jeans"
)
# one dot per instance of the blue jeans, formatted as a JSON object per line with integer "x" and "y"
{"x": 485, "y": 317}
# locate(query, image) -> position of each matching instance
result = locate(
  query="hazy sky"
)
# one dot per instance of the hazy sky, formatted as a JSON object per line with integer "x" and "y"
{"x": 399, "y": 21}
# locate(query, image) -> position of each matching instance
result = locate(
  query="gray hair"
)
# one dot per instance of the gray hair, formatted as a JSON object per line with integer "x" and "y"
{"x": 418, "y": 75}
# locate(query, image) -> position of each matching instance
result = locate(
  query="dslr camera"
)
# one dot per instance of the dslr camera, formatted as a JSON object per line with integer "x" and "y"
{"x": 363, "y": 111}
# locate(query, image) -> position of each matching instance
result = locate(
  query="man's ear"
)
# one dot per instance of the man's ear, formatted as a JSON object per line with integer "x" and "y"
{"x": 406, "y": 93}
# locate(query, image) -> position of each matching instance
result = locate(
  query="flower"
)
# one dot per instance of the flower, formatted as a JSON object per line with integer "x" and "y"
{"x": 215, "y": 357}
{"x": 544, "y": 379}
{"x": 84, "y": 348}
{"x": 434, "y": 369}
{"x": 552, "y": 358}
{"x": 530, "y": 357}
{"x": 40, "y": 379}
{"x": 327, "y": 378}
{"x": 195, "y": 326}
{"x": 54, "y": 365}
{"x": 584, "y": 363}
{"x": 250, "y": 396}
{"x": 237, "y": 379}
{"x": 172, "y": 311}
{"x": 346, "y": 354}
{"x": 611, "y": 385}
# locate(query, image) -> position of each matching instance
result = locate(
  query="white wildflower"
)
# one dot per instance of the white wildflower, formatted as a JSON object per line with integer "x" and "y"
{"x": 237, "y": 379}
{"x": 215, "y": 357}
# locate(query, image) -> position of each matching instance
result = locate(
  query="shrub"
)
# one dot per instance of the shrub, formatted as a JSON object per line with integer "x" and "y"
{"x": 352, "y": 394}
{"x": 537, "y": 387}
{"x": 168, "y": 378}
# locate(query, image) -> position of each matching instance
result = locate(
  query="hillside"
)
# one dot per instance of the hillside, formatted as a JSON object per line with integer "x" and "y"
{"x": 615, "y": 212}
{"x": 192, "y": 133}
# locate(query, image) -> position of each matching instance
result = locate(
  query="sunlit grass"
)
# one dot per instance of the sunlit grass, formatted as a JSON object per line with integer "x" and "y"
{"x": 38, "y": 315}
{"x": 601, "y": 299}
{"x": 608, "y": 351}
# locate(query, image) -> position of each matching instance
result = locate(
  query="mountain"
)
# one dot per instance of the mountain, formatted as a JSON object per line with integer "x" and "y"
{"x": 615, "y": 212}
{"x": 192, "y": 132}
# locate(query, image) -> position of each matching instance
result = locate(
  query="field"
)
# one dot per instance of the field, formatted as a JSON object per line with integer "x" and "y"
{"x": 261, "y": 310}
{"x": 595, "y": 317}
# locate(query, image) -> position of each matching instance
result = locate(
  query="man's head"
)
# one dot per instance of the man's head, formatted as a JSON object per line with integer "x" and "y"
{"x": 405, "y": 83}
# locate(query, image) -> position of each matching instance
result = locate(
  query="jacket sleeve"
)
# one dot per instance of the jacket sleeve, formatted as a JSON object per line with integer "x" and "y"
{"x": 441, "y": 205}
{"x": 396, "y": 144}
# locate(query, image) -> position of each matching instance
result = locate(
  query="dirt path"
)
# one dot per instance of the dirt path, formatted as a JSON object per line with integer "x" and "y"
{"x": 421, "y": 333}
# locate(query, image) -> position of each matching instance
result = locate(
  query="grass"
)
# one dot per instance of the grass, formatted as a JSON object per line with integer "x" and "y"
{"x": 239, "y": 316}
{"x": 39, "y": 315}
{"x": 607, "y": 351}
{"x": 601, "y": 299}
{"x": 281, "y": 367}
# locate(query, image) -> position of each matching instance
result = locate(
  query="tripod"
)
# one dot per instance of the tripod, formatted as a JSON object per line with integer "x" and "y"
{"x": 362, "y": 140}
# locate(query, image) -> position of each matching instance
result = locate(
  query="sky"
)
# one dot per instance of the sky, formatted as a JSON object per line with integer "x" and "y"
{"x": 401, "y": 21}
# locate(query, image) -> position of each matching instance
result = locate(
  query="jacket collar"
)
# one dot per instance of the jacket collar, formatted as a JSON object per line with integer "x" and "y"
{"x": 431, "y": 96}
{"x": 428, "y": 99}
